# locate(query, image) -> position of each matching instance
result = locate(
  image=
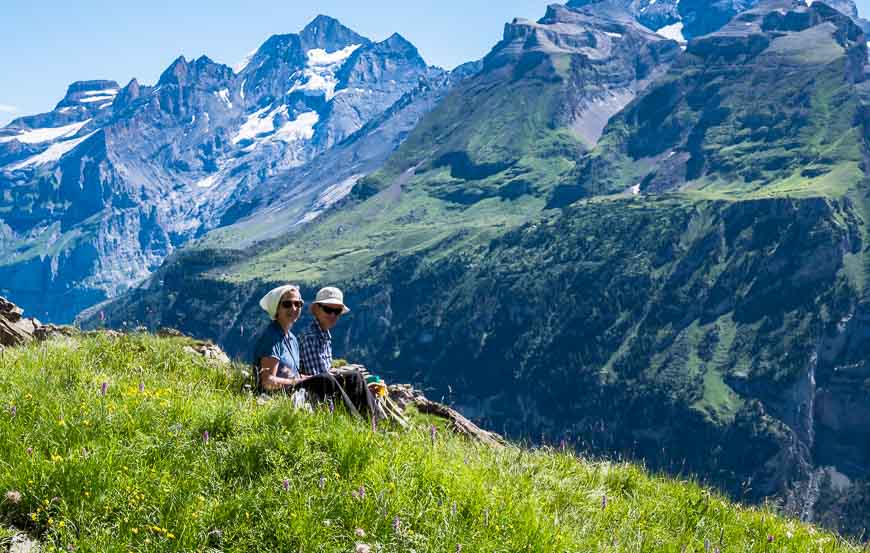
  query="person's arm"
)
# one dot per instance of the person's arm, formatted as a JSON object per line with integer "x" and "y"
{"x": 269, "y": 378}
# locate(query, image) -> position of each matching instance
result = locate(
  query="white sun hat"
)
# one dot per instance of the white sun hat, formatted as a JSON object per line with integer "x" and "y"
{"x": 270, "y": 301}
{"x": 330, "y": 295}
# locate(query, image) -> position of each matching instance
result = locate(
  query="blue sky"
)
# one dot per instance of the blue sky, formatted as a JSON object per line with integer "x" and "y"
{"x": 48, "y": 44}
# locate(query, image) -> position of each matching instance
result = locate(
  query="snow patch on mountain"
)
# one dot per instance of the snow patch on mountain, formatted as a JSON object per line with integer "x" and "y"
{"x": 318, "y": 76}
{"x": 257, "y": 123}
{"x": 224, "y": 94}
{"x": 35, "y": 136}
{"x": 673, "y": 31}
{"x": 207, "y": 182}
{"x": 301, "y": 128}
{"x": 261, "y": 123}
{"x": 91, "y": 99}
{"x": 104, "y": 92}
{"x": 53, "y": 153}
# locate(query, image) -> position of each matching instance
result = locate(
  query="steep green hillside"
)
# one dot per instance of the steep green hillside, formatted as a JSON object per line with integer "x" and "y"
{"x": 488, "y": 156}
{"x": 765, "y": 107}
{"x": 695, "y": 296}
{"x": 130, "y": 443}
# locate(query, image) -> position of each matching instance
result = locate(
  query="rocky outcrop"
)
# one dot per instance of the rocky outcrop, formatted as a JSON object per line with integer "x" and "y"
{"x": 15, "y": 329}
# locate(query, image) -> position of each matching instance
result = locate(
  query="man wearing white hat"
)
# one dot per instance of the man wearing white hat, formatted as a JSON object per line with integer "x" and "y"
{"x": 315, "y": 342}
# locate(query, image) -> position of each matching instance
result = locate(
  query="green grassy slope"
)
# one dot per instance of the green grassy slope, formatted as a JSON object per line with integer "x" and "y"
{"x": 772, "y": 114}
{"x": 131, "y": 470}
{"x": 484, "y": 160}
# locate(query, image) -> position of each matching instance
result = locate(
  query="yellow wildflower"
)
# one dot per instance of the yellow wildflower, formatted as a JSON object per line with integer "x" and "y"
{"x": 134, "y": 530}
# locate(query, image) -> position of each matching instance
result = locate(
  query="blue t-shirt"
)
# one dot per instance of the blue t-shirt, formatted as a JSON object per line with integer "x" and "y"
{"x": 283, "y": 347}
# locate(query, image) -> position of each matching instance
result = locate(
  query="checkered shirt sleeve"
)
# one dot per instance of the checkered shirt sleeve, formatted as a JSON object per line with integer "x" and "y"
{"x": 315, "y": 351}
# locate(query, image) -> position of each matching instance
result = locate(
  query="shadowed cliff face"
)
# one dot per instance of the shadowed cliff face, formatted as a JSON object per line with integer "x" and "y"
{"x": 631, "y": 326}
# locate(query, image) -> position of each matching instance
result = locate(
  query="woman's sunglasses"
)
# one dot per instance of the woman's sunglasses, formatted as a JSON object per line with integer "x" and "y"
{"x": 287, "y": 304}
{"x": 331, "y": 310}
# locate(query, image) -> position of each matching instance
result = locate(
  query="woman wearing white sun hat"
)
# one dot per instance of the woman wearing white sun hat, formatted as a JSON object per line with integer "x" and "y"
{"x": 276, "y": 354}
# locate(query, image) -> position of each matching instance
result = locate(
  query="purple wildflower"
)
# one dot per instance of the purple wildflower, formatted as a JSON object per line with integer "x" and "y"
{"x": 453, "y": 508}
{"x": 205, "y": 437}
{"x": 397, "y": 524}
{"x": 563, "y": 444}
{"x": 604, "y": 501}
{"x": 102, "y": 316}
{"x": 322, "y": 482}
{"x": 362, "y": 491}
{"x": 141, "y": 387}
{"x": 286, "y": 485}
{"x": 432, "y": 432}
{"x": 374, "y": 424}
{"x": 706, "y": 545}
{"x": 770, "y": 538}
{"x": 13, "y": 411}
{"x": 360, "y": 532}
{"x": 30, "y": 451}
{"x": 104, "y": 387}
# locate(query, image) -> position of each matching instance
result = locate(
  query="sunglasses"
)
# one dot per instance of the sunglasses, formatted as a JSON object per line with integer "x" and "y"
{"x": 331, "y": 310}
{"x": 287, "y": 304}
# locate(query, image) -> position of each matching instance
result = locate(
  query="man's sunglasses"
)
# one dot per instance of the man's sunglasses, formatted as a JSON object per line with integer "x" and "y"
{"x": 287, "y": 304}
{"x": 331, "y": 310}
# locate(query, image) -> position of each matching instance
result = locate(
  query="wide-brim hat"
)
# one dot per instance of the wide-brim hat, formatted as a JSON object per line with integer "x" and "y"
{"x": 270, "y": 301}
{"x": 330, "y": 295}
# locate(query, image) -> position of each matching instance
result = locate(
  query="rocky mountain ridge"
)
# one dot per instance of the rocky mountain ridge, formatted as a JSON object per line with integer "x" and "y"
{"x": 100, "y": 190}
{"x": 683, "y": 20}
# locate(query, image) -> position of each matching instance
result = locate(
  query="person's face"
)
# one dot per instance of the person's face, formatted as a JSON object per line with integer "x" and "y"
{"x": 289, "y": 308}
{"x": 326, "y": 315}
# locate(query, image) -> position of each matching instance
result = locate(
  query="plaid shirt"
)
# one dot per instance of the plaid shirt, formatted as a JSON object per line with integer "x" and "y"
{"x": 315, "y": 350}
